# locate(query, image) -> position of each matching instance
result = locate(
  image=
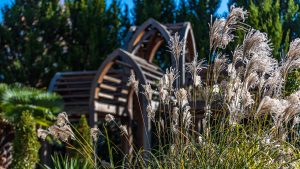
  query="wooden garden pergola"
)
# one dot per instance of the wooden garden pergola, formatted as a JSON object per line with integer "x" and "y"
{"x": 105, "y": 91}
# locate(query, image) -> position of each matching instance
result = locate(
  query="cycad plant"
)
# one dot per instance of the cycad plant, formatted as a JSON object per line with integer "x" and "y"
{"x": 15, "y": 99}
{"x": 245, "y": 120}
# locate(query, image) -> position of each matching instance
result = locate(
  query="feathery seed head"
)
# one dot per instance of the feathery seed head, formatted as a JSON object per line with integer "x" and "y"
{"x": 294, "y": 50}
{"x": 216, "y": 89}
{"x": 66, "y": 133}
{"x": 194, "y": 68}
{"x": 175, "y": 115}
{"x": 219, "y": 65}
{"x": 256, "y": 43}
{"x": 62, "y": 133}
{"x": 133, "y": 82}
{"x": 95, "y": 132}
{"x": 151, "y": 112}
{"x": 41, "y": 133}
{"x": 221, "y": 31}
{"x": 170, "y": 76}
{"x": 163, "y": 95}
{"x": 123, "y": 130}
{"x": 187, "y": 117}
{"x": 238, "y": 12}
{"x": 109, "y": 118}
{"x": 148, "y": 92}
{"x": 176, "y": 46}
{"x": 296, "y": 121}
{"x": 62, "y": 119}
{"x": 181, "y": 95}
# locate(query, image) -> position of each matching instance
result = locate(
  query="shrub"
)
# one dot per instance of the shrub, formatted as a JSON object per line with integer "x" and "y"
{"x": 84, "y": 136}
{"x": 26, "y": 144}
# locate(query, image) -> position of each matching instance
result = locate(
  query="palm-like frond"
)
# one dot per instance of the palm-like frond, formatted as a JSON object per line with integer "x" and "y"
{"x": 15, "y": 99}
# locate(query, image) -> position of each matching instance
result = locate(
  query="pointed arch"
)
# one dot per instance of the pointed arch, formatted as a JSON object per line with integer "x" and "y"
{"x": 142, "y": 30}
{"x": 146, "y": 40}
{"x": 110, "y": 93}
{"x": 151, "y": 35}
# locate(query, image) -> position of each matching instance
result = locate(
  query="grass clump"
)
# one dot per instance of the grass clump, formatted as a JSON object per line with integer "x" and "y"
{"x": 235, "y": 115}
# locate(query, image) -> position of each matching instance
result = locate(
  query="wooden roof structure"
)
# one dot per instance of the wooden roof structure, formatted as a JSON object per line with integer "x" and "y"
{"x": 97, "y": 93}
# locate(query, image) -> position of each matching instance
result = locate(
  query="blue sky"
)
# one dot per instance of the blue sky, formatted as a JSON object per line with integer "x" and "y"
{"x": 223, "y": 8}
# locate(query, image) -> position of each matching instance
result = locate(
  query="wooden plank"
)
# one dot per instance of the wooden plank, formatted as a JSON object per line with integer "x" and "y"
{"x": 76, "y": 103}
{"x": 112, "y": 79}
{"x": 123, "y": 63}
{"x": 138, "y": 38}
{"x": 118, "y": 74}
{"x": 76, "y": 96}
{"x": 74, "y": 83}
{"x": 111, "y": 102}
{"x": 107, "y": 96}
{"x": 76, "y": 78}
{"x": 75, "y": 73}
{"x": 72, "y": 89}
{"x": 113, "y": 96}
{"x": 113, "y": 87}
{"x": 151, "y": 76}
{"x": 123, "y": 92}
{"x": 107, "y": 87}
{"x": 156, "y": 71}
{"x": 149, "y": 65}
{"x": 107, "y": 108}
{"x": 118, "y": 85}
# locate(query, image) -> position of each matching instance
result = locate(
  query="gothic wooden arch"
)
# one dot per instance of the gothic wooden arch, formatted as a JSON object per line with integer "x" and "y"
{"x": 148, "y": 38}
{"x": 110, "y": 93}
{"x": 141, "y": 30}
{"x": 118, "y": 57}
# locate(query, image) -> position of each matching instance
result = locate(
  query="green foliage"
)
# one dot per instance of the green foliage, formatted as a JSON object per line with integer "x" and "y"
{"x": 32, "y": 42}
{"x": 293, "y": 82}
{"x": 199, "y": 13}
{"x": 26, "y": 144}
{"x": 265, "y": 16}
{"x": 15, "y": 99}
{"x": 84, "y": 133}
{"x": 84, "y": 129}
{"x": 161, "y": 10}
{"x": 39, "y": 38}
{"x": 65, "y": 162}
